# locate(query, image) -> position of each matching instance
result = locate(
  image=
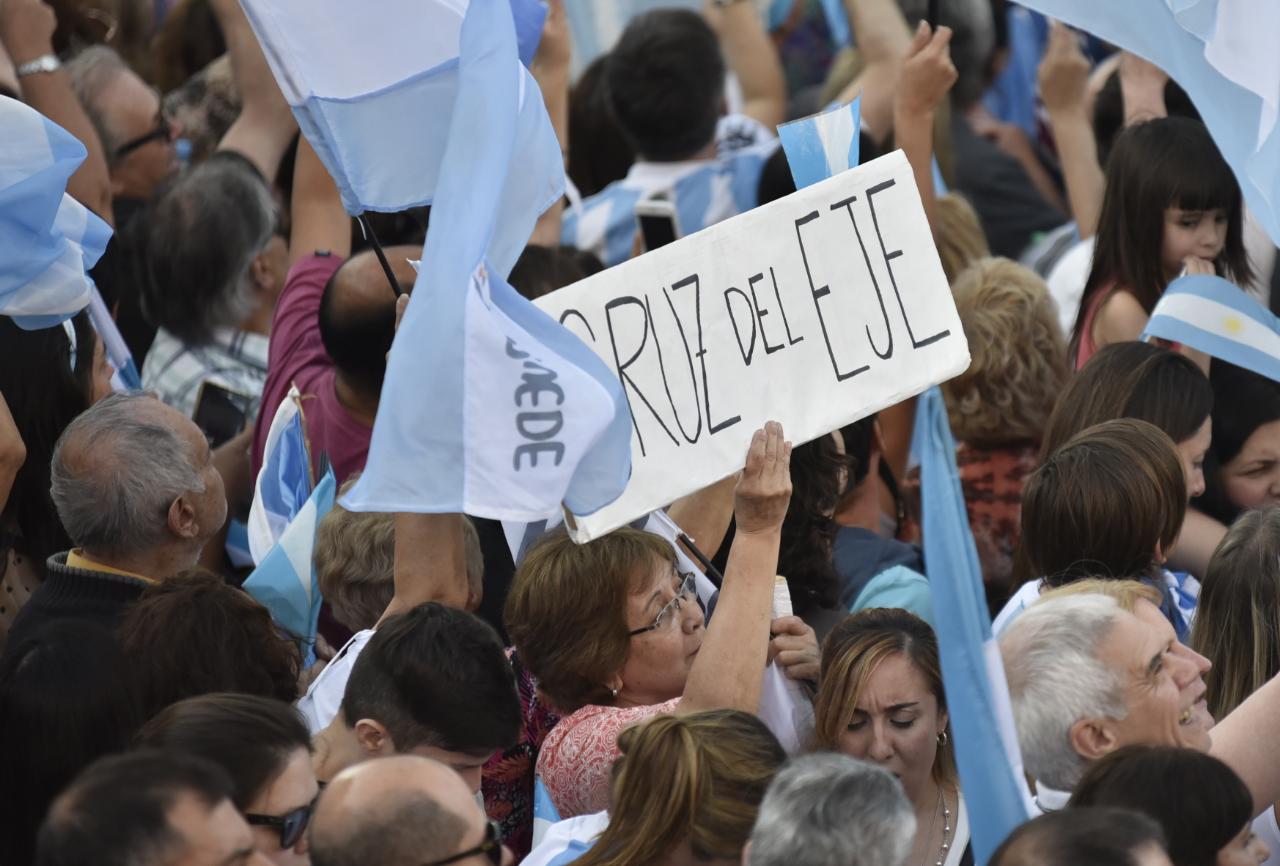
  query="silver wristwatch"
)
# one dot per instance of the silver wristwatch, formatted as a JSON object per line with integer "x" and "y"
{"x": 44, "y": 63}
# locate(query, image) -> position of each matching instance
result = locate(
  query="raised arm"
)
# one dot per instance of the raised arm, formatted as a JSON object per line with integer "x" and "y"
{"x": 752, "y": 59}
{"x": 265, "y": 125}
{"x": 26, "y": 28}
{"x": 728, "y": 670}
{"x": 927, "y": 77}
{"x": 1245, "y": 741}
{"x": 1064, "y": 82}
{"x": 319, "y": 221}
{"x": 883, "y": 40}
{"x": 551, "y": 70}
{"x": 13, "y": 452}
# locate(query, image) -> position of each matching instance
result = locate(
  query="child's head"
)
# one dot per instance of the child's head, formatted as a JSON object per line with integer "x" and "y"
{"x": 1108, "y": 503}
{"x": 1169, "y": 195}
{"x": 664, "y": 81}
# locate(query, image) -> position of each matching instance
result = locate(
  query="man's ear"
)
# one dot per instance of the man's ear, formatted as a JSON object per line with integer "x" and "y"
{"x": 182, "y": 518}
{"x": 1093, "y": 738}
{"x": 374, "y": 739}
{"x": 260, "y": 273}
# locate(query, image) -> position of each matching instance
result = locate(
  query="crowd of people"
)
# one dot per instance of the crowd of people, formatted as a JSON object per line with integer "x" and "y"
{"x": 1123, "y": 494}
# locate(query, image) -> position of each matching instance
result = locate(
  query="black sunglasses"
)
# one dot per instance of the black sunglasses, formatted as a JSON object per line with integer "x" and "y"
{"x": 491, "y": 847}
{"x": 291, "y": 826}
{"x": 161, "y": 132}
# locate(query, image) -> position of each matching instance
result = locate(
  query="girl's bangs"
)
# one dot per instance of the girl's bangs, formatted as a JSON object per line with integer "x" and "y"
{"x": 1202, "y": 179}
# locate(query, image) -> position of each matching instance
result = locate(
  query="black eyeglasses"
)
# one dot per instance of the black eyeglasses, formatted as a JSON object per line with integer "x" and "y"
{"x": 161, "y": 132}
{"x": 491, "y": 847}
{"x": 291, "y": 826}
{"x": 683, "y": 592}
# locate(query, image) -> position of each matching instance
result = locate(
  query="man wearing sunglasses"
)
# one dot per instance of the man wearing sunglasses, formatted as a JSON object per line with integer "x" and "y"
{"x": 403, "y": 811}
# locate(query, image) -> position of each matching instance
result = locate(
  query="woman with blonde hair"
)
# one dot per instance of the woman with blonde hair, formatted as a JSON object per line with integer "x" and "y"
{"x": 999, "y": 407}
{"x": 880, "y": 699}
{"x": 684, "y": 789}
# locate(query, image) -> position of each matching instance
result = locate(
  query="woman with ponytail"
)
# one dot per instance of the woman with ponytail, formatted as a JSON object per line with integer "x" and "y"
{"x": 685, "y": 789}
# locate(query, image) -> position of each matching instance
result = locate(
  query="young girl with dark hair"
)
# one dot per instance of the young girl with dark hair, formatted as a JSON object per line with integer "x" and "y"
{"x": 1171, "y": 204}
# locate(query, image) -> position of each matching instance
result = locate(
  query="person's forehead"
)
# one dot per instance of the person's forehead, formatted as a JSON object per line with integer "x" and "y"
{"x": 895, "y": 680}
{"x": 1134, "y": 641}
{"x": 1264, "y": 442}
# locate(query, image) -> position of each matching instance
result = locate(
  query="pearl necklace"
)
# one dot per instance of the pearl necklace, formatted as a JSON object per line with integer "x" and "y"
{"x": 946, "y": 827}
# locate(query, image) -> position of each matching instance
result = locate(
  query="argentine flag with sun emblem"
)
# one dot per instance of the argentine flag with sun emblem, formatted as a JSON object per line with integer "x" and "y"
{"x": 1219, "y": 319}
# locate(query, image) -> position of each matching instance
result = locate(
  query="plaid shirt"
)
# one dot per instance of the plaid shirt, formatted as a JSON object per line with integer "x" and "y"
{"x": 236, "y": 360}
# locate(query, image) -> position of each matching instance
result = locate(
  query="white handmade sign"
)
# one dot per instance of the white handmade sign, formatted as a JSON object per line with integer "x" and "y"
{"x": 815, "y": 310}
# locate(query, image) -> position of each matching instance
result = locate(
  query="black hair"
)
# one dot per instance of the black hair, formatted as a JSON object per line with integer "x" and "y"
{"x": 809, "y": 531}
{"x": 1096, "y": 835}
{"x": 358, "y": 336}
{"x": 1243, "y": 402}
{"x": 249, "y": 736}
{"x": 1199, "y": 801}
{"x": 541, "y": 270}
{"x": 117, "y": 812}
{"x": 1108, "y": 111}
{"x": 665, "y": 84}
{"x": 44, "y": 394}
{"x": 1162, "y": 163}
{"x": 436, "y": 676}
{"x": 775, "y": 178}
{"x": 603, "y": 154}
{"x": 61, "y": 707}
{"x": 205, "y": 228}
{"x": 1132, "y": 379}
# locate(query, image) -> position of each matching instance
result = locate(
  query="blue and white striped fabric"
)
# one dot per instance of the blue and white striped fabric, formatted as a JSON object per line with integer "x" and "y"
{"x": 1223, "y": 55}
{"x": 284, "y": 482}
{"x": 564, "y": 841}
{"x": 986, "y": 743}
{"x": 285, "y": 581}
{"x": 822, "y": 145}
{"x": 545, "y": 813}
{"x": 374, "y": 90}
{"x": 490, "y": 407}
{"x": 704, "y": 193}
{"x": 1210, "y": 314}
{"x": 126, "y": 376}
{"x": 48, "y": 240}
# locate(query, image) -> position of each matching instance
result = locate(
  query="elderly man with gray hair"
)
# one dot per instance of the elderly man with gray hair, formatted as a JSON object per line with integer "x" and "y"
{"x": 136, "y": 488}
{"x": 1090, "y": 672}
{"x": 831, "y": 810}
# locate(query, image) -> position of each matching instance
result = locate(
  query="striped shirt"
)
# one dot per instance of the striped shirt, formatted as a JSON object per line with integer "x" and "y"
{"x": 704, "y": 191}
{"x": 235, "y": 360}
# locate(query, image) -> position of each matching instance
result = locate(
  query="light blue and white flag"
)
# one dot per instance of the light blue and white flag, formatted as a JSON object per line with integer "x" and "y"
{"x": 986, "y": 743}
{"x": 284, "y": 482}
{"x": 126, "y": 376}
{"x": 490, "y": 407}
{"x": 1211, "y": 315}
{"x": 1222, "y": 53}
{"x": 545, "y": 813}
{"x": 47, "y": 239}
{"x": 285, "y": 581}
{"x": 564, "y": 841}
{"x": 374, "y": 89}
{"x": 822, "y": 145}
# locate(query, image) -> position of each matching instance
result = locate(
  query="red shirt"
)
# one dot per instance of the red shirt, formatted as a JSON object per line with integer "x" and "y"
{"x": 297, "y": 356}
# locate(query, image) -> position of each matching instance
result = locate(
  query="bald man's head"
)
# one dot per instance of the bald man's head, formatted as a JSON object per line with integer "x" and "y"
{"x": 358, "y": 315}
{"x": 397, "y": 811}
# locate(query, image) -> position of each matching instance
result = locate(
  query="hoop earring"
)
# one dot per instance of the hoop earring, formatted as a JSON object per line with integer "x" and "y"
{"x": 942, "y": 739}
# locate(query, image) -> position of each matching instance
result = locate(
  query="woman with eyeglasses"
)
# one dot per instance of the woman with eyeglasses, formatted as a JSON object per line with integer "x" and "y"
{"x": 614, "y": 634}
{"x": 263, "y": 745}
{"x": 880, "y": 700}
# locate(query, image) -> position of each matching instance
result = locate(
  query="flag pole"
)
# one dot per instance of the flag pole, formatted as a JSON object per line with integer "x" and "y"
{"x": 382, "y": 256}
